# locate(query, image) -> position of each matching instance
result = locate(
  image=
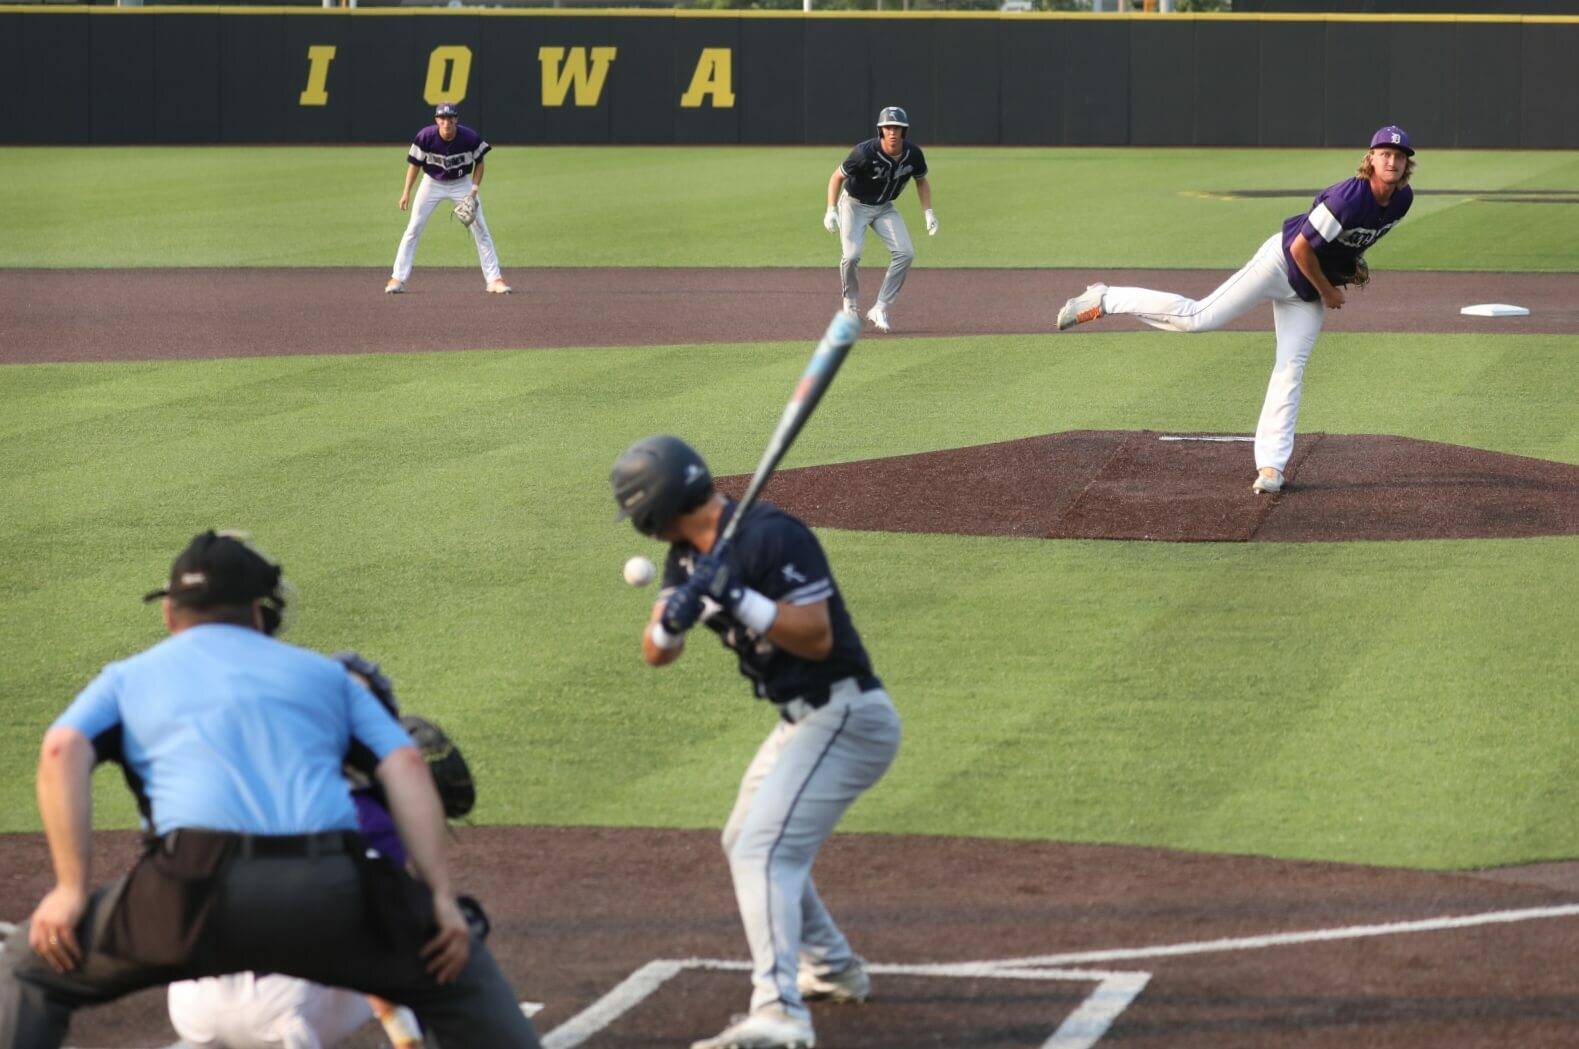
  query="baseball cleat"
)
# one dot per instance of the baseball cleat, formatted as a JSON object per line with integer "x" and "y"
{"x": 770, "y": 1028}
{"x": 878, "y": 315}
{"x": 497, "y": 286}
{"x": 851, "y": 984}
{"x": 852, "y": 310}
{"x": 1083, "y": 308}
{"x": 394, "y": 287}
{"x": 1268, "y": 482}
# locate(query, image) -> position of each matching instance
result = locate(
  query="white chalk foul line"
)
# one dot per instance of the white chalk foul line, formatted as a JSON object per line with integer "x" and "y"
{"x": 612, "y": 1006}
{"x": 1284, "y": 939}
{"x": 1085, "y": 1026}
{"x": 1202, "y": 437}
{"x": 1081, "y": 1029}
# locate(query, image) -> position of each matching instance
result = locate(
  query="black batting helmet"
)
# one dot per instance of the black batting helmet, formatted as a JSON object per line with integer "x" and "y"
{"x": 893, "y": 116}
{"x": 656, "y": 480}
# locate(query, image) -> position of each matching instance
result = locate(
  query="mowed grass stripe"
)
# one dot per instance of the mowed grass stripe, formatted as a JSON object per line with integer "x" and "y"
{"x": 755, "y": 206}
{"x": 448, "y": 514}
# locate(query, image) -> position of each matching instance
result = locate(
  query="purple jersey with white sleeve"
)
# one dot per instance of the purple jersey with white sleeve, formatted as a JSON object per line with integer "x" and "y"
{"x": 447, "y": 161}
{"x": 1343, "y": 221}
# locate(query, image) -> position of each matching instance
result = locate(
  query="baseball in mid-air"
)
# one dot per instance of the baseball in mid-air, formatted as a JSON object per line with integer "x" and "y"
{"x": 639, "y": 571}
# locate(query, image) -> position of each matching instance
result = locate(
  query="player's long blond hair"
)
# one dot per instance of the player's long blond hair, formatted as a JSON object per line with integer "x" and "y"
{"x": 1367, "y": 169}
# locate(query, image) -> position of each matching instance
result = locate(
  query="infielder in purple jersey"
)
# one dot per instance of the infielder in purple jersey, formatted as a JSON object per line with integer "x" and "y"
{"x": 444, "y": 153}
{"x": 1300, "y": 270}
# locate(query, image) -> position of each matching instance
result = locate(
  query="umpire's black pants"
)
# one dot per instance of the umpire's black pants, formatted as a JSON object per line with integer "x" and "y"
{"x": 299, "y": 916}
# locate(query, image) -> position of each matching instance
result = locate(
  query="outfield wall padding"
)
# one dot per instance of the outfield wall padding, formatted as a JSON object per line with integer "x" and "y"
{"x": 204, "y": 75}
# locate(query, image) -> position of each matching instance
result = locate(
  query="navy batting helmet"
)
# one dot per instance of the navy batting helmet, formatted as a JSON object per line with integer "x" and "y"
{"x": 656, "y": 480}
{"x": 893, "y": 116}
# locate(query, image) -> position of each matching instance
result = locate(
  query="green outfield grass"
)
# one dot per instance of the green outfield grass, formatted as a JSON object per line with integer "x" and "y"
{"x": 335, "y": 206}
{"x": 1402, "y": 703}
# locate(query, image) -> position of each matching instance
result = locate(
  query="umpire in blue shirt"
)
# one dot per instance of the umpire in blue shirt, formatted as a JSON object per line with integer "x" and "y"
{"x": 234, "y": 742}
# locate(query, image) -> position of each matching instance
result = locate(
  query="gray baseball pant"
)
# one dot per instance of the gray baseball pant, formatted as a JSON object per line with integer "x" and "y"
{"x": 802, "y": 779}
{"x": 889, "y": 225}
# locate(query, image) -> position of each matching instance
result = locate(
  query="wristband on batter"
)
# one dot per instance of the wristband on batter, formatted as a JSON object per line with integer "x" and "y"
{"x": 663, "y": 639}
{"x": 756, "y": 611}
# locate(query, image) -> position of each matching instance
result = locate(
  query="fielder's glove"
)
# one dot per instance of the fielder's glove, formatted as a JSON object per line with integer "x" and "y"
{"x": 1356, "y": 274}
{"x": 466, "y": 210}
{"x": 830, "y": 220}
{"x": 451, "y": 775}
{"x": 932, "y": 223}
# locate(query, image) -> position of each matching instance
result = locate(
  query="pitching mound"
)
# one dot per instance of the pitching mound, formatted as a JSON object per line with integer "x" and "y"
{"x": 1117, "y": 484}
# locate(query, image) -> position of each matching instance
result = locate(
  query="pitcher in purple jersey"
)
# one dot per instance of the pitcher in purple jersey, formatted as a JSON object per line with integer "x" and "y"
{"x": 1299, "y": 270}
{"x": 444, "y": 153}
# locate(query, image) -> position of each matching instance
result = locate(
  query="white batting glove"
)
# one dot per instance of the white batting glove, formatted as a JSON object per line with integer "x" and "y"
{"x": 830, "y": 220}
{"x": 932, "y": 223}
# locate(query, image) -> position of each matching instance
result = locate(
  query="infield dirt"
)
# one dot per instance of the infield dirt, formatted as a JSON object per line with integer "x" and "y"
{"x": 577, "y": 910}
{"x": 171, "y": 314}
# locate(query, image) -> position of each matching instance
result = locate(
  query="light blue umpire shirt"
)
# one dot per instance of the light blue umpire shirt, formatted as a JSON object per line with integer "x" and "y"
{"x": 232, "y": 730}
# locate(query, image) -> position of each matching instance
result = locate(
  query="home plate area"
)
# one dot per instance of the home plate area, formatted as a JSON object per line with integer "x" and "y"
{"x": 976, "y": 1004}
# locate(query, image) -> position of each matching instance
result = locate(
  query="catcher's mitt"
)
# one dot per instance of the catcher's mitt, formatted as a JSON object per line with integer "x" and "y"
{"x": 1344, "y": 273}
{"x": 466, "y": 210}
{"x": 450, "y": 773}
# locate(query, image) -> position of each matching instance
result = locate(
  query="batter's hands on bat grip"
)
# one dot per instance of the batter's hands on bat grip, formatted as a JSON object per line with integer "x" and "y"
{"x": 682, "y": 609}
{"x": 830, "y": 219}
{"x": 52, "y": 933}
{"x": 447, "y": 951}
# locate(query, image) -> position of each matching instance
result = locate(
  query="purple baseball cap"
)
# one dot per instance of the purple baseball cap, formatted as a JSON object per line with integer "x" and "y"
{"x": 1394, "y": 136}
{"x": 447, "y": 109}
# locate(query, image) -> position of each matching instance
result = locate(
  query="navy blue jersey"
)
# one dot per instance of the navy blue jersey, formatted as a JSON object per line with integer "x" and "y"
{"x": 779, "y": 557}
{"x": 873, "y": 177}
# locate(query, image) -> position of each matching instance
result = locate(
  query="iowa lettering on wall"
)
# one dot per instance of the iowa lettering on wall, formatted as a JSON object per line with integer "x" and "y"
{"x": 573, "y": 75}
{"x": 251, "y": 74}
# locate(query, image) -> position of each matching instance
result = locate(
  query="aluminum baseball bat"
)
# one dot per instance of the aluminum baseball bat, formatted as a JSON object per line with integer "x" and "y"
{"x": 835, "y": 346}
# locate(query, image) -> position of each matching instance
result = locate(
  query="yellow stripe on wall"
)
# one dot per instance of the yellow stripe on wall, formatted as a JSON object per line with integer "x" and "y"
{"x": 616, "y": 12}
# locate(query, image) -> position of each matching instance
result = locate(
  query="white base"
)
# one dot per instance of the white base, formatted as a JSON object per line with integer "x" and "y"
{"x": 1495, "y": 309}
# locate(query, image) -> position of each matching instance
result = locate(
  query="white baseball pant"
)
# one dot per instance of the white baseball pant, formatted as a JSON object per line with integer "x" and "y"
{"x": 802, "y": 779}
{"x": 1297, "y": 323}
{"x": 248, "y": 1011}
{"x": 430, "y": 193}
{"x": 889, "y": 225}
